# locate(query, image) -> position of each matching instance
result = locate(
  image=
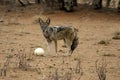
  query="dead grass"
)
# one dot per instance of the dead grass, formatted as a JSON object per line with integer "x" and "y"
{"x": 101, "y": 69}
{"x": 4, "y": 69}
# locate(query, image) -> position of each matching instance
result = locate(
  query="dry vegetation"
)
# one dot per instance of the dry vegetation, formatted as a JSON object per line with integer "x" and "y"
{"x": 20, "y": 34}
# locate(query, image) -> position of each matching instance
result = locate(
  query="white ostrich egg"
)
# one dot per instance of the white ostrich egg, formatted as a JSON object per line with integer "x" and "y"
{"x": 39, "y": 51}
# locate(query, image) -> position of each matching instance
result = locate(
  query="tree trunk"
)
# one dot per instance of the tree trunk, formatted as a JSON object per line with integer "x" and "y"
{"x": 61, "y": 4}
{"x": 119, "y": 6}
{"x": 38, "y": 1}
{"x": 97, "y": 4}
{"x": 108, "y": 3}
{"x": 75, "y": 2}
{"x": 1, "y": 2}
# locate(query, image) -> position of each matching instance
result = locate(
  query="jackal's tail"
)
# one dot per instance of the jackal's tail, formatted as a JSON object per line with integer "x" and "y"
{"x": 74, "y": 43}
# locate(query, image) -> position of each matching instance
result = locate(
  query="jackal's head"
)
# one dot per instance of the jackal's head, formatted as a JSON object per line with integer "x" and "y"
{"x": 44, "y": 24}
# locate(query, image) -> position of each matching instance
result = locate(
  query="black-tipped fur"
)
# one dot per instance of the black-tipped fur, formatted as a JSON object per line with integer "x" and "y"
{"x": 74, "y": 44}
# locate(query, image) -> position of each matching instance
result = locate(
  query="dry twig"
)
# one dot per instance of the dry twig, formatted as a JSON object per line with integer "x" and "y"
{"x": 101, "y": 70}
{"x": 3, "y": 71}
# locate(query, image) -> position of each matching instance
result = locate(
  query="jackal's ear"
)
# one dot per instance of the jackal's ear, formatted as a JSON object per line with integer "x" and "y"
{"x": 48, "y": 21}
{"x": 40, "y": 20}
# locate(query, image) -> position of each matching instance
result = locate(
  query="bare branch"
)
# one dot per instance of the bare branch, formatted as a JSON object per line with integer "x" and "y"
{"x": 101, "y": 70}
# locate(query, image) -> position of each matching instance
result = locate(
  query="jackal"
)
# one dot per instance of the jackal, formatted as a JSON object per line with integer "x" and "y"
{"x": 55, "y": 33}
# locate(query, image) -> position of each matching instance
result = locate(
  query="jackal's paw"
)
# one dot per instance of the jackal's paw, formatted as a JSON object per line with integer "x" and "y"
{"x": 69, "y": 54}
{"x": 64, "y": 46}
{"x": 55, "y": 55}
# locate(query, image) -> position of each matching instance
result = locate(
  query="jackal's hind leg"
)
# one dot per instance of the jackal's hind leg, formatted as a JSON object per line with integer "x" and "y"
{"x": 68, "y": 44}
{"x": 69, "y": 51}
{"x": 64, "y": 44}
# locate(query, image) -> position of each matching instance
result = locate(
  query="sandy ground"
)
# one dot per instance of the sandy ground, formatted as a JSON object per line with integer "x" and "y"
{"x": 20, "y": 34}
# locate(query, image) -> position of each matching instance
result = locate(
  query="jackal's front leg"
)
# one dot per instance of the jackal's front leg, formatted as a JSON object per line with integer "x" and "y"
{"x": 55, "y": 46}
{"x": 48, "y": 47}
